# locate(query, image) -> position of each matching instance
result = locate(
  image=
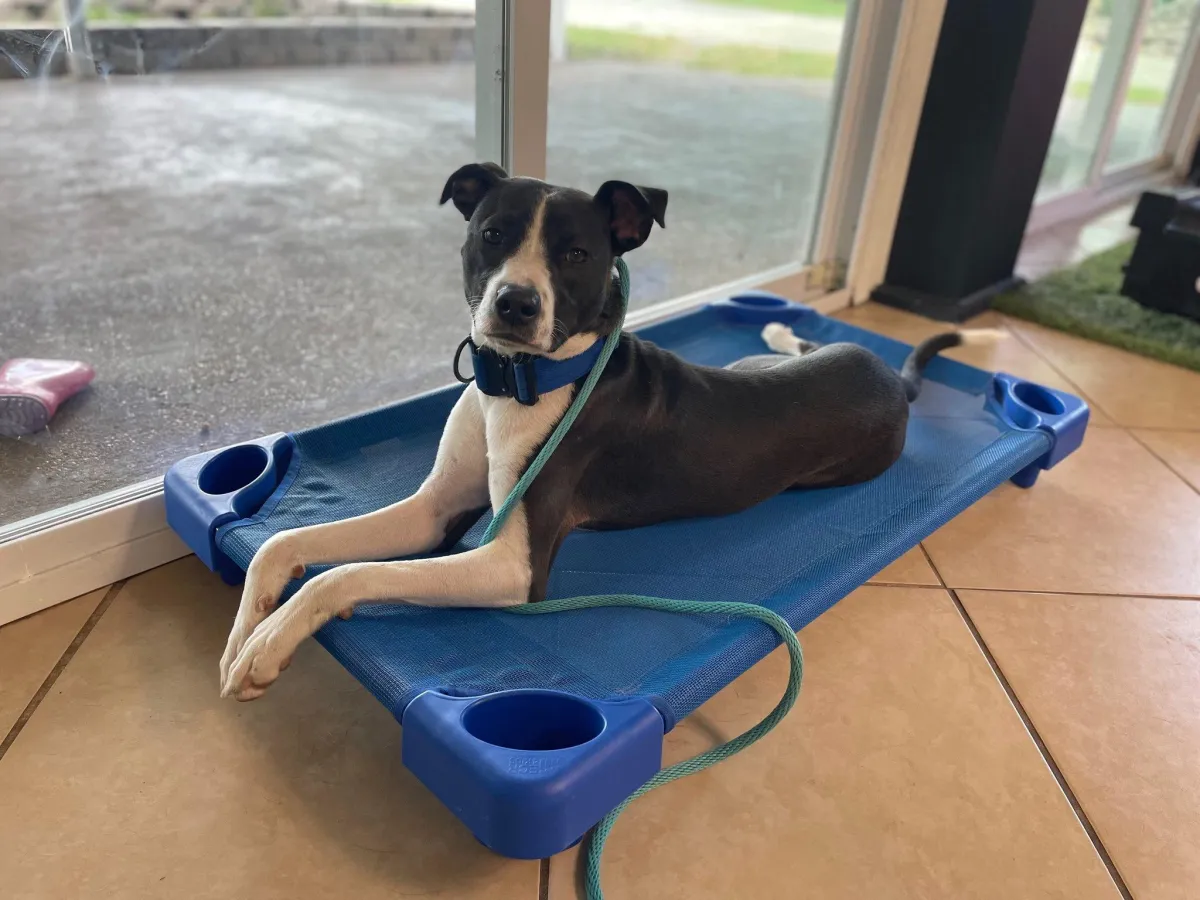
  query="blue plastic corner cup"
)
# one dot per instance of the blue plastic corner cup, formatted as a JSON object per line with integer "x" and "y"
{"x": 760, "y": 308}
{"x": 1033, "y": 407}
{"x": 530, "y": 771}
{"x": 205, "y": 491}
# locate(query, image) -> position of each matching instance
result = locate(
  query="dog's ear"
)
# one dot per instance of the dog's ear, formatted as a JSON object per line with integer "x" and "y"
{"x": 632, "y": 212}
{"x": 470, "y": 184}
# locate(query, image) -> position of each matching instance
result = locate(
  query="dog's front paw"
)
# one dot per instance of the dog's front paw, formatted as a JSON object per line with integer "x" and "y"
{"x": 268, "y": 650}
{"x": 270, "y": 571}
{"x": 261, "y": 658}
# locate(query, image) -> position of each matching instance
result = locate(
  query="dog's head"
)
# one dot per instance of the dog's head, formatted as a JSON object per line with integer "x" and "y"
{"x": 537, "y": 261}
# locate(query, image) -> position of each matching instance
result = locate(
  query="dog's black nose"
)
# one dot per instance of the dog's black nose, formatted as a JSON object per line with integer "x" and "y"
{"x": 517, "y": 304}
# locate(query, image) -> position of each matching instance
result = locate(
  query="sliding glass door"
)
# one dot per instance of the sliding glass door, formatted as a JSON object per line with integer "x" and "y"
{"x": 229, "y": 207}
{"x": 1155, "y": 70}
{"x": 1131, "y": 73}
{"x": 727, "y": 105}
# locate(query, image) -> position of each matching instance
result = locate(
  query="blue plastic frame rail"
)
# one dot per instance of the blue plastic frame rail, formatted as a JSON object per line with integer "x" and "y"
{"x": 529, "y": 731}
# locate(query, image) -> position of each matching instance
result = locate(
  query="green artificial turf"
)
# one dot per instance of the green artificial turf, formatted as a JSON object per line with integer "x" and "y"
{"x": 1085, "y": 300}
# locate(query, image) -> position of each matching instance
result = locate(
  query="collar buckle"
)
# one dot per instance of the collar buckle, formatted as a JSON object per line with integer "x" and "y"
{"x": 524, "y": 377}
{"x": 500, "y": 376}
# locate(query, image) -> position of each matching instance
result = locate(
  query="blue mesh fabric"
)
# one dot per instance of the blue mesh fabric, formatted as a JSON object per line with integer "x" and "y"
{"x": 798, "y": 553}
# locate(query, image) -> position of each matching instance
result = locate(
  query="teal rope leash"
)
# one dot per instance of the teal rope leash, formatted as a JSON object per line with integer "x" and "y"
{"x": 701, "y": 761}
{"x": 568, "y": 419}
{"x": 776, "y": 622}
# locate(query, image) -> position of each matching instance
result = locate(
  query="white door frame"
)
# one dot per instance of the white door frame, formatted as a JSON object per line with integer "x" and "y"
{"x": 891, "y": 152}
{"x": 66, "y": 553}
{"x": 512, "y": 82}
{"x": 865, "y": 64}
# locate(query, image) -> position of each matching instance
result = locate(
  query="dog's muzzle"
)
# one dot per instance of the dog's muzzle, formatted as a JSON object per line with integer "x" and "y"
{"x": 517, "y": 305}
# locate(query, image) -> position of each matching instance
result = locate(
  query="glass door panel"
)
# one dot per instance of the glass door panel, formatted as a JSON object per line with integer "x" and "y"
{"x": 235, "y": 223}
{"x": 728, "y": 106}
{"x": 1139, "y": 131}
{"x": 1092, "y": 89}
{"x": 1130, "y": 55}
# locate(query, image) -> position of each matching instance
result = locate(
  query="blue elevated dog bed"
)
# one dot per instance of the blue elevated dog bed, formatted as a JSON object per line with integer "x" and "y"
{"x": 531, "y": 728}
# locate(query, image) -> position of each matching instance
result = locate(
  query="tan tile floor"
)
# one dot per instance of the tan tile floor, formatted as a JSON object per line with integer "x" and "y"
{"x": 31, "y": 647}
{"x": 133, "y": 780}
{"x": 906, "y": 771}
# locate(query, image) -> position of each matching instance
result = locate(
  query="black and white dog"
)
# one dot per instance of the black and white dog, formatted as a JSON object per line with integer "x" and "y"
{"x": 659, "y": 439}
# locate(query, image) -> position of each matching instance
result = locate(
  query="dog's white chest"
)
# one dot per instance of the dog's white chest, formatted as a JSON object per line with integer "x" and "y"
{"x": 513, "y": 432}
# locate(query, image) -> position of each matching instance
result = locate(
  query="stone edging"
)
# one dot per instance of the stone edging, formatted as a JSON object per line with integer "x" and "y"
{"x": 169, "y": 45}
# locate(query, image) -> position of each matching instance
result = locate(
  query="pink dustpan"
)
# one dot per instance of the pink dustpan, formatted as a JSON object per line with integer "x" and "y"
{"x": 32, "y": 389}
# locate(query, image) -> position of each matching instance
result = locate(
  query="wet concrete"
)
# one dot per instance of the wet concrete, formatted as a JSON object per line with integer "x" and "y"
{"x": 244, "y": 252}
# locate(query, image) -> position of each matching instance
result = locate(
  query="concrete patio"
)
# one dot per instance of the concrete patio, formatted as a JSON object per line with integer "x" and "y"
{"x": 250, "y": 251}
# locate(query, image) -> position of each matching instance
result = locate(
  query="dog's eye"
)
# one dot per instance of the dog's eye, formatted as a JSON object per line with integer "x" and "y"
{"x": 492, "y": 235}
{"x": 577, "y": 255}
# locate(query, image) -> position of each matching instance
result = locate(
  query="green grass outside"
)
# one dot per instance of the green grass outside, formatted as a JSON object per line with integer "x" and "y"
{"x": 1086, "y": 301}
{"x": 1139, "y": 94}
{"x": 269, "y": 9}
{"x": 836, "y": 9}
{"x": 597, "y": 43}
{"x": 833, "y": 9}
{"x": 102, "y": 12}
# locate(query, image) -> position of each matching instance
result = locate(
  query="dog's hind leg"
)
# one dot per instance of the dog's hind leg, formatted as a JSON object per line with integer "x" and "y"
{"x": 783, "y": 341}
{"x": 456, "y": 487}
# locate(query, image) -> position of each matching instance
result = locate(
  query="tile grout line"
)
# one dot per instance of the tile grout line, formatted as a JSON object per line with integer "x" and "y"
{"x": 1044, "y": 751}
{"x": 942, "y": 582}
{"x": 929, "y": 559}
{"x": 1123, "y": 595}
{"x": 1047, "y": 757}
{"x": 67, "y": 656}
{"x": 1021, "y": 339}
{"x": 1155, "y": 454}
{"x": 1182, "y": 428}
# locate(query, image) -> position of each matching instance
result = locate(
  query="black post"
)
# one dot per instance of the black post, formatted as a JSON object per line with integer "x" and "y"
{"x": 999, "y": 74}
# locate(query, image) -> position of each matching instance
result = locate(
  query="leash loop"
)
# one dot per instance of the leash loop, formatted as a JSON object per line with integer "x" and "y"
{"x": 458, "y": 355}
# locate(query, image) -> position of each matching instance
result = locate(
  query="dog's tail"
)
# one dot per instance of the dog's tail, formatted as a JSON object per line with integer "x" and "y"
{"x": 782, "y": 339}
{"x": 914, "y": 366}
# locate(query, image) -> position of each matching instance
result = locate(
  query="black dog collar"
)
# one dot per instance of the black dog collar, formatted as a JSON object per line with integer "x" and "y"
{"x": 524, "y": 377}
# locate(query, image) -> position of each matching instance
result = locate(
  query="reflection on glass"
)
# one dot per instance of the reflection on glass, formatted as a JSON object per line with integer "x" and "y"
{"x": 726, "y": 105}
{"x": 1138, "y": 136}
{"x": 235, "y": 223}
{"x": 1091, "y": 87}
